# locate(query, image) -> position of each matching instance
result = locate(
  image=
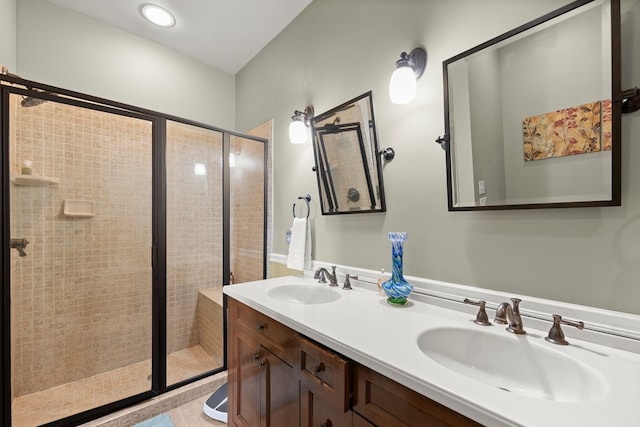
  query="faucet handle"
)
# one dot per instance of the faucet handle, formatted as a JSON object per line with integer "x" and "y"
{"x": 481, "y": 318}
{"x": 556, "y": 336}
{"x": 347, "y": 283}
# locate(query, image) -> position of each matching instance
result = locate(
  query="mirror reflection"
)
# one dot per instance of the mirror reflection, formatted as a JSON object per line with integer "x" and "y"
{"x": 531, "y": 121}
{"x": 347, "y": 161}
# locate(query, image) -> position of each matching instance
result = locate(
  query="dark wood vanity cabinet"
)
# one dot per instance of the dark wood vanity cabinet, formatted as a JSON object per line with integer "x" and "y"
{"x": 279, "y": 378}
{"x": 261, "y": 378}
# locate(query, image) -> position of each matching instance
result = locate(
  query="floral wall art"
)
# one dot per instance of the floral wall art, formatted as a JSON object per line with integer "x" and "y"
{"x": 582, "y": 129}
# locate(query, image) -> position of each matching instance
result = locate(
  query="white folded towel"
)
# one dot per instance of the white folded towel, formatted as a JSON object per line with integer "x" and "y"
{"x": 300, "y": 246}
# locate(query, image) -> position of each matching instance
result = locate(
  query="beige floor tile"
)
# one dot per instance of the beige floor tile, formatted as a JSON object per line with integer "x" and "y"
{"x": 67, "y": 399}
{"x": 191, "y": 415}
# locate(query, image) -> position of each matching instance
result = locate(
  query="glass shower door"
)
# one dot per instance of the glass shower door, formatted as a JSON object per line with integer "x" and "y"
{"x": 247, "y": 209}
{"x": 81, "y": 274}
{"x": 195, "y": 342}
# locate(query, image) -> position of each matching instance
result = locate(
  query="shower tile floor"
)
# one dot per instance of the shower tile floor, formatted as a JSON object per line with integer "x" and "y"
{"x": 77, "y": 396}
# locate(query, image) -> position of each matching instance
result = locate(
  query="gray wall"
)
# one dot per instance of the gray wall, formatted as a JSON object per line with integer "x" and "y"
{"x": 8, "y": 34}
{"x": 73, "y": 51}
{"x": 550, "y": 72}
{"x": 488, "y": 155}
{"x": 337, "y": 49}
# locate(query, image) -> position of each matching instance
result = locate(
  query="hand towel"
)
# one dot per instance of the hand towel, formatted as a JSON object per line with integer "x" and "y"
{"x": 300, "y": 246}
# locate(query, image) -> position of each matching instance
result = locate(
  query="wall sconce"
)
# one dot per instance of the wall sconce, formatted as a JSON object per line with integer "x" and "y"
{"x": 300, "y": 121}
{"x": 409, "y": 68}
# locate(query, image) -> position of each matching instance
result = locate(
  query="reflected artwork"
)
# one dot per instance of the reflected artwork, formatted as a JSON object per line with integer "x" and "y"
{"x": 582, "y": 129}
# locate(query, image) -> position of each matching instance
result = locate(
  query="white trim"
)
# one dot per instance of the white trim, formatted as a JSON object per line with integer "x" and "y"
{"x": 605, "y": 327}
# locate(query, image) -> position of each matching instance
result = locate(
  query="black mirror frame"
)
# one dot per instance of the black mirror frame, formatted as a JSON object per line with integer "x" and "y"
{"x": 327, "y": 207}
{"x": 616, "y": 97}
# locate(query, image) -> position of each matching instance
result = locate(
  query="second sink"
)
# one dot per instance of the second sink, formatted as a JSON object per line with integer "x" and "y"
{"x": 512, "y": 363}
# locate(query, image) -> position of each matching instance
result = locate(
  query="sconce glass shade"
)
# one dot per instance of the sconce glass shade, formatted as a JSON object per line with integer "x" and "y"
{"x": 297, "y": 132}
{"x": 403, "y": 86}
{"x": 232, "y": 160}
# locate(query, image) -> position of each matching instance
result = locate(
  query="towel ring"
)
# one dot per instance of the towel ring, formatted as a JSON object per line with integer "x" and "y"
{"x": 307, "y": 199}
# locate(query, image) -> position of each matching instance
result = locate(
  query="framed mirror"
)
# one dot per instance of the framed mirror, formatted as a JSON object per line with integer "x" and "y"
{"x": 348, "y": 166}
{"x": 532, "y": 117}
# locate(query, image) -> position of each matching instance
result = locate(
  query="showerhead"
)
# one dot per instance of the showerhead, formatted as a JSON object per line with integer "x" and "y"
{"x": 29, "y": 101}
{"x": 32, "y": 101}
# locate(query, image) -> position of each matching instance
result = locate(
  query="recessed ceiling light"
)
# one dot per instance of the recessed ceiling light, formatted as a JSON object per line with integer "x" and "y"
{"x": 157, "y": 15}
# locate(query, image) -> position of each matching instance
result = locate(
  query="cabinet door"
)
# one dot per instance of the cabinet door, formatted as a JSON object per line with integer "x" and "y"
{"x": 279, "y": 401}
{"x": 244, "y": 378}
{"x": 316, "y": 410}
{"x": 358, "y": 421}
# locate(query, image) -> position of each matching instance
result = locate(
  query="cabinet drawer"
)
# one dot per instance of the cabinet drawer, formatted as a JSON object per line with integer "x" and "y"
{"x": 327, "y": 373}
{"x": 272, "y": 335}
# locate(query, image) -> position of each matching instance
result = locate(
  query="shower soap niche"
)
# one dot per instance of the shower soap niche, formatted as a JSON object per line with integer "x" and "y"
{"x": 79, "y": 208}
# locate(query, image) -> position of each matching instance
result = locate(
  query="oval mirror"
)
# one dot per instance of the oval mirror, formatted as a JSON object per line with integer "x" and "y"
{"x": 532, "y": 117}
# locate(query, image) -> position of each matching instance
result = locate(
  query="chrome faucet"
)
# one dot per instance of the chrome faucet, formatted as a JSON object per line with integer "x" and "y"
{"x": 507, "y": 313}
{"x": 322, "y": 274}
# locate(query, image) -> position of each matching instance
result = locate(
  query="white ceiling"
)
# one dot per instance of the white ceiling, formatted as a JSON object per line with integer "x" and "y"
{"x": 225, "y": 34}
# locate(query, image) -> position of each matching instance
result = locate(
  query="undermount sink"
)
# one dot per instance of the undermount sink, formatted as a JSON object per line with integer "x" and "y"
{"x": 302, "y": 293}
{"x": 513, "y": 363}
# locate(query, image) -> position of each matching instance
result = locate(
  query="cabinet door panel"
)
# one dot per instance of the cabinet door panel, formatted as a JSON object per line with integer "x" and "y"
{"x": 244, "y": 399}
{"x": 280, "y": 396}
{"x": 359, "y": 421}
{"x": 317, "y": 410}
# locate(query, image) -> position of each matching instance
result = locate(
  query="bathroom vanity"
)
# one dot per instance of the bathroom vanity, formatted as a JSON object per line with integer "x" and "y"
{"x": 278, "y": 376}
{"x": 303, "y": 353}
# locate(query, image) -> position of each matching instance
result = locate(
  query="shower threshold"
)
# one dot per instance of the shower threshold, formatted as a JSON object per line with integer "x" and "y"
{"x": 67, "y": 399}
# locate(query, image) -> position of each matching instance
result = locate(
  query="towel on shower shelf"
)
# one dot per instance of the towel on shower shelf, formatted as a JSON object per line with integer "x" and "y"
{"x": 300, "y": 246}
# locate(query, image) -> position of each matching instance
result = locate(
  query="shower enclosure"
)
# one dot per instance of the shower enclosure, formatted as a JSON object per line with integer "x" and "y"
{"x": 120, "y": 227}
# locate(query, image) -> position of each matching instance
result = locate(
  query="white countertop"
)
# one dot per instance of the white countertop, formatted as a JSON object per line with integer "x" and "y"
{"x": 363, "y": 327}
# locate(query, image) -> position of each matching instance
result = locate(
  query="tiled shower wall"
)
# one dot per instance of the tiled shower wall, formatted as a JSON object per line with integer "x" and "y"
{"x": 194, "y": 228}
{"x": 81, "y": 298}
{"x": 247, "y": 209}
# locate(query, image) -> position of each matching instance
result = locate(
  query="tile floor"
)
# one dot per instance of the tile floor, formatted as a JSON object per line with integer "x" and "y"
{"x": 191, "y": 415}
{"x": 67, "y": 399}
